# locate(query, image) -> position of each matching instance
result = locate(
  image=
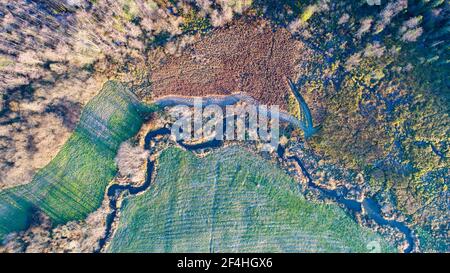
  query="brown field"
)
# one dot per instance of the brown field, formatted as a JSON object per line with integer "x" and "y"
{"x": 248, "y": 56}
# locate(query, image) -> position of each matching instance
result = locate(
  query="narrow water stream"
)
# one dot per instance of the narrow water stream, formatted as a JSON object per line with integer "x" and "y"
{"x": 370, "y": 206}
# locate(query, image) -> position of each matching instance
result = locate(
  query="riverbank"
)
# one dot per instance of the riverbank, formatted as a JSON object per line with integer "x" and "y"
{"x": 337, "y": 196}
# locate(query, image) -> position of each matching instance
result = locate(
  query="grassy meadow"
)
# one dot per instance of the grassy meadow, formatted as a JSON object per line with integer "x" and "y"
{"x": 231, "y": 201}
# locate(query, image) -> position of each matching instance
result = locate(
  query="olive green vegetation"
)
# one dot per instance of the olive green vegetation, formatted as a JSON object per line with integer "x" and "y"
{"x": 393, "y": 126}
{"x": 231, "y": 200}
{"x": 72, "y": 185}
{"x": 194, "y": 23}
{"x": 293, "y": 107}
{"x": 389, "y": 127}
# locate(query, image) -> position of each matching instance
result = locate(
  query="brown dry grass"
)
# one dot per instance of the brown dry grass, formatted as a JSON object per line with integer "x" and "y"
{"x": 248, "y": 56}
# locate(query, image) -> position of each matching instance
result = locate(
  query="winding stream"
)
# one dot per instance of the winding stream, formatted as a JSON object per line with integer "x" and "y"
{"x": 370, "y": 207}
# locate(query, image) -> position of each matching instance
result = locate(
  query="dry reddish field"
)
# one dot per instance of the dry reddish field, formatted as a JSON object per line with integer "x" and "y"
{"x": 248, "y": 56}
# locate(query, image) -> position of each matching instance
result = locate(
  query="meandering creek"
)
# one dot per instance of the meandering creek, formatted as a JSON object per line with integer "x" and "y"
{"x": 371, "y": 208}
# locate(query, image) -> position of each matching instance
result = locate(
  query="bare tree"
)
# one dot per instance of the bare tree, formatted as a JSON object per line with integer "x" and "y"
{"x": 131, "y": 162}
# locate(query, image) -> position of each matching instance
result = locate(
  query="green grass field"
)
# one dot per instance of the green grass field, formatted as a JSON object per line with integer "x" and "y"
{"x": 231, "y": 201}
{"x": 72, "y": 185}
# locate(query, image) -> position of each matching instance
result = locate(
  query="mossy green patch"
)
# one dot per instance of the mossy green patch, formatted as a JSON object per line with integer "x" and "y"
{"x": 194, "y": 23}
{"x": 308, "y": 13}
